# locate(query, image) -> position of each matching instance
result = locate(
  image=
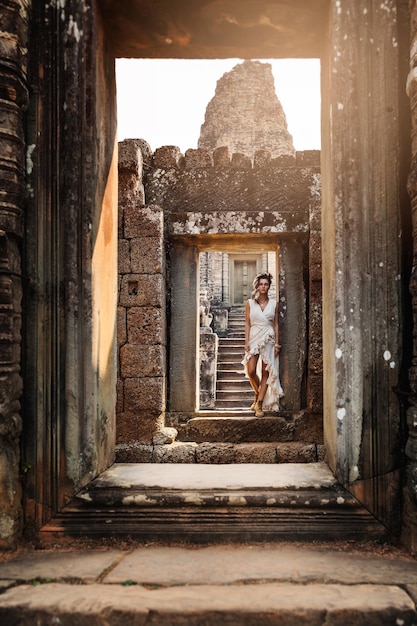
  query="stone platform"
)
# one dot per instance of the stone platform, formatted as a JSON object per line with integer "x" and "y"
{"x": 227, "y": 436}
{"x": 239, "y": 585}
{"x": 205, "y": 503}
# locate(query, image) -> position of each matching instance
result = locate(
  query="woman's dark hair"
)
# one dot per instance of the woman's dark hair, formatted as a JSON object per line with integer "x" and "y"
{"x": 255, "y": 283}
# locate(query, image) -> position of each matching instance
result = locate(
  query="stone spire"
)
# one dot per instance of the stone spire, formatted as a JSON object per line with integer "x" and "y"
{"x": 245, "y": 114}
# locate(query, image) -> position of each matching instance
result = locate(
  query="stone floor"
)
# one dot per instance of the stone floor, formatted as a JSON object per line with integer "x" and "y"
{"x": 114, "y": 582}
{"x": 276, "y": 583}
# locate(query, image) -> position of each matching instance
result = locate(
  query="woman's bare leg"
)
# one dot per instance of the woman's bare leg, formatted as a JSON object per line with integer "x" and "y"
{"x": 263, "y": 385}
{"x": 251, "y": 371}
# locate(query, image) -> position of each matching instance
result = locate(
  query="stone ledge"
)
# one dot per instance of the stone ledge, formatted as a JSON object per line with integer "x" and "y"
{"x": 269, "y": 603}
{"x": 218, "y": 453}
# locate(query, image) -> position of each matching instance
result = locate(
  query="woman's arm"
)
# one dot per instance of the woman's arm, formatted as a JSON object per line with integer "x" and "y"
{"x": 247, "y": 325}
{"x": 276, "y": 330}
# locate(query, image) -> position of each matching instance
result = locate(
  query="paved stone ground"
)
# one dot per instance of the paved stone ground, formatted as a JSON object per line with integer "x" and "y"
{"x": 276, "y": 583}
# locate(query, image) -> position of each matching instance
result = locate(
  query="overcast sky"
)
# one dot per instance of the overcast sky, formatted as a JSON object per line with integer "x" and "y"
{"x": 164, "y": 101}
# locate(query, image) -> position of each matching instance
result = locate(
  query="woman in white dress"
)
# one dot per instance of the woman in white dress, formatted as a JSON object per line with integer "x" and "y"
{"x": 261, "y": 361}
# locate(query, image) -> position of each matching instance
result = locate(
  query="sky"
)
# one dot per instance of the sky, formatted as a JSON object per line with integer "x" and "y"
{"x": 164, "y": 100}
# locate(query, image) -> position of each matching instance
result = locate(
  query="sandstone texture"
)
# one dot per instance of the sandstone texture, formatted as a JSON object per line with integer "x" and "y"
{"x": 245, "y": 114}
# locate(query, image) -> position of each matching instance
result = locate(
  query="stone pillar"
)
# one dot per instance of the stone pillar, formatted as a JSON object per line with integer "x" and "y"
{"x": 410, "y": 494}
{"x": 361, "y": 249}
{"x": 184, "y": 340}
{"x": 70, "y": 256}
{"x": 14, "y": 16}
{"x": 292, "y": 324}
{"x": 142, "y": 309}
{"x": 315, "y": 306}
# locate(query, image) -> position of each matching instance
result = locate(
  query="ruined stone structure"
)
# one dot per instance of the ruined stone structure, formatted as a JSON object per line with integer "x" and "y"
{"x": 196, "y": 203}
{"x": 245, "y": 94}
{"x": 58, "y": 223}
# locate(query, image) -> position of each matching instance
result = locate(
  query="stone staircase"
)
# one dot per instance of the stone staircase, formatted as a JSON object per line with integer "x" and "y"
{"x": 233, "y": 391}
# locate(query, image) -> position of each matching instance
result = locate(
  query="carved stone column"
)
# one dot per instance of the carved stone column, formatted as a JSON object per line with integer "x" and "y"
{"x": 362, "y": 313}
{"x": 183, "y": 397}
{"x": 13, "y": 102}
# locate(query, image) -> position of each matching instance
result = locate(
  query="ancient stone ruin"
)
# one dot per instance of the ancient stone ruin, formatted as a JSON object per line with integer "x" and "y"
{"x": 58, "y": 264}
{"x": 245, "y": 114}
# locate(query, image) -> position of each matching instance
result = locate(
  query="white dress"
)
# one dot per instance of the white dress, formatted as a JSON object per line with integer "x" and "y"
{"x": 262, "y": 341}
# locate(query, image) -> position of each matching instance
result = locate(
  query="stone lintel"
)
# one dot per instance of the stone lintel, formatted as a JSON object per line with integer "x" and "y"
{"x": 237, "y": 223}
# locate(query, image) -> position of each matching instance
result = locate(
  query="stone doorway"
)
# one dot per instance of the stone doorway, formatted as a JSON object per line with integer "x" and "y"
{"x": 362, "y": 192}
{"x": 225, "y": 285}
{"x": 242, "y": 272}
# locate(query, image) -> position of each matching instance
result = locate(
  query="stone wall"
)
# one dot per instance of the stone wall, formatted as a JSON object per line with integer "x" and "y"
{"x": 14, "y": 19}
{"x": 410, "y": 490}
{"x": 141, "y": 332}
{"x": 202, "y": 201}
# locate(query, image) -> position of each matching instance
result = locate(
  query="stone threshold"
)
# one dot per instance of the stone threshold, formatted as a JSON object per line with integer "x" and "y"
{"x": 207, "y": 503}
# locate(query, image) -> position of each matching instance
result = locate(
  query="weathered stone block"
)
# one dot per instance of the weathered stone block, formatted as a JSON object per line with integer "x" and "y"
{"x": 145, "y": 221}
{"x": 167, "y": 157}
{"x": 121, "y": 326}
{"x": 146, "y": 360}
{"x": 315, "y": 321}
{"x": 130, "y": 191}
{"x": 141, "y": 290}
{"x": 134, "y": 452}
{"x": 177, "y": 452}
{"x": 255, "y": 453}
{"x": 308, "y": 158}
{"x": 241, "y": 161}
{"x": 296, "y": 453}
{"x": 284, "y": 160}
{"x": 130, "y": 157}
{"x": 215, "y": 453}
{"x": 165, "y": 436}
{"x": 124, "y": 257}
{"x": 315, "y": 393}
{"x": 197, "y": 159}
{"x": 221, "y": 157}
{"x": 147, "y": 255}
{"x": 208, "y": 368}
{"x": 146, "y": 325}
{"x": 309, "y": 429}
{"x": 120, "y": 396}
{"x": 144, "y": 396}
{"x": 127, "y": 427}
{"x": 262, "y": 158}
{"x": 220, "y": 320}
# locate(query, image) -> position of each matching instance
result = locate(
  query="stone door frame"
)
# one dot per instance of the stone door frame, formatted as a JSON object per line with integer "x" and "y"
{"x": 232, "y": 259}
{"x": 68, "y": 412}
{"x": 184, "y": 328}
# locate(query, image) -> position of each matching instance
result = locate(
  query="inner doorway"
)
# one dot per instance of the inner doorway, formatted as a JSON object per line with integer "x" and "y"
{"x": 242, "y": 272}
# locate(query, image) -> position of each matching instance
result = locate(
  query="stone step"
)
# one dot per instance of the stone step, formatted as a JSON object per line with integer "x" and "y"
{"x": 240, "y": 392}
{"x": 225, "y": 342}
{"x": 277, "y": 583}
{"x": 236, "y": 351}
{"x": 233, "y": 403}
{"x": 229, "y": 357}
{"x": 204, "y": 503}
{"x": 220, "y": 453}
{"x": 229, "y": 372}
{"x": 231, "y": 385}
{"x": 284, "y": 603}
{"x": 244, "y": 427}
{"x": 229, "y": 366}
